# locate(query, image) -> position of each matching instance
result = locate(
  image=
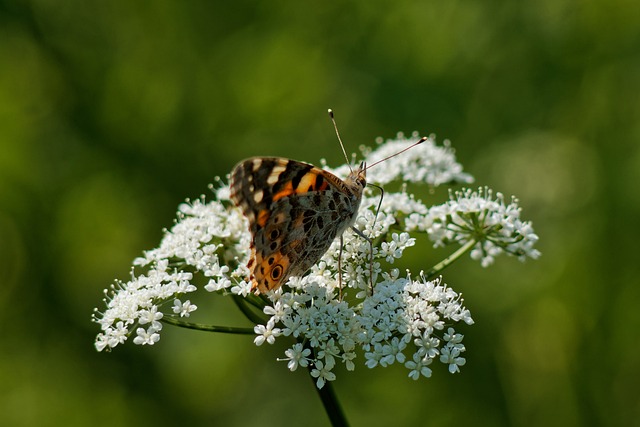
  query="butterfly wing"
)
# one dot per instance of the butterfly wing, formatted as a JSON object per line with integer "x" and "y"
{"x": 295, "y": 211}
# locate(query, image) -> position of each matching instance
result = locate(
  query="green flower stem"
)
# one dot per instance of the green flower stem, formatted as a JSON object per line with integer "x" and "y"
{"x": 244, "y": 305}
{"x": 330, "y": 402}
{"x": 208, "y": 328}
{"x": 437, "y": 269}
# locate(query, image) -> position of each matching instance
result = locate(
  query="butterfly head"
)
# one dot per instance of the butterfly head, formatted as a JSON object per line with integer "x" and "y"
{"x": 360, "y": 173}
{"x": 357, "y": 177}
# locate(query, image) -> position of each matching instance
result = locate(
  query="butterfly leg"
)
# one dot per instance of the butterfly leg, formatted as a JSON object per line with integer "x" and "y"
{"x": 340, "y": 271}
{"x": 361, "y": 234}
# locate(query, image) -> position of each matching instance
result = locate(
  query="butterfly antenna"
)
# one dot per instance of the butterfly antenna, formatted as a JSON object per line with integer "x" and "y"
{"x": 420, "y": 141}
{"x": 333, "y": 120}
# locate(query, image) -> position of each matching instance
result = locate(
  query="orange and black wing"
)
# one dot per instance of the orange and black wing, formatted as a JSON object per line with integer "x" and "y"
{"x": 295, "y": 211}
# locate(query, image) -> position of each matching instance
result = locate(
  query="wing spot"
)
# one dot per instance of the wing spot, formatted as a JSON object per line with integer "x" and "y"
{"x": 276, "y": 273}
{"x": 258, "y": 195}
{"x": 275, "y": 233}
{"x": 273, "y": 178}
{"x": 256, "y": 164}
{"x": 278, "y": 169}
{"x": 273, "y": 246}
{"x": 295, "y": 180}
{"x": 275, "y": 174}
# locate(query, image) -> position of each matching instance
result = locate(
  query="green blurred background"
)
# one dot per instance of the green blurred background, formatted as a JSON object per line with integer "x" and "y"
{"x": 113, "y": 112}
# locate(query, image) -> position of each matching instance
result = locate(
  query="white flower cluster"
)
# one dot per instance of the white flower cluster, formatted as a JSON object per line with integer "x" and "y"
{"x": 389, "y": 318}
{"x": 425, "y": 163}
{"x": 205, "y": 240}
{"x": 477, "y": 216}
{"x": 402, "y": 315}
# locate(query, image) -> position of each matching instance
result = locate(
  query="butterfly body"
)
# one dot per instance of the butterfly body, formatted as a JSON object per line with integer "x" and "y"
{"x": 295, "y": 211}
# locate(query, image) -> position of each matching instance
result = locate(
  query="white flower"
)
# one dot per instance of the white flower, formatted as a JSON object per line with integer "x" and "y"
{"x": 297, "y": 356}
{"x": 373, "y": 357}
{"x": 152, "y": 316}
{"x": 393, "y": 352}
{"x": 393, "y": 249}
{"x": 266, "y": 333}
{"x": 347, "y": 359}
{"x": 419, "y": 367}
{"x": 146, "y": 336}
{"x": 451, "y": 355}
{"x": 323, "y": 374}
{"x": 112, "y": 336}
{"x": 183, "y": 309}
{"x": 451, "y": 337}
{"x": 276, "y": 311}
{"x": 428, "y": 345}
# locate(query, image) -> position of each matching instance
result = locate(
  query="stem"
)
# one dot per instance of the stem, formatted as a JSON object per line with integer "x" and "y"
{"x": 242, "y": 305}
{"x": 207, "y": 328}
{"x": 436, "y": 269}
{"x": 330, "y": 402}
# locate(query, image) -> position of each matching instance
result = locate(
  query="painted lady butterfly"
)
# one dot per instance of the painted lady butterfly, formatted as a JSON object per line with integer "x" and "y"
{"x": 295, "y": 211}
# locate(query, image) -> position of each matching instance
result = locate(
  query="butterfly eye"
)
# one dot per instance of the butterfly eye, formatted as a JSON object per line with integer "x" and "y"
{"x": 276, "y": 273}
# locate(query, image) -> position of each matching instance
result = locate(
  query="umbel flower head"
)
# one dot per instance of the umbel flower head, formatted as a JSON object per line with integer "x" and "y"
{"x": 407, "y": 318}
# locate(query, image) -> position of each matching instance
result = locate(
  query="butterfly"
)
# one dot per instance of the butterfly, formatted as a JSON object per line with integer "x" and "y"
{"x": 295, "y": 211}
